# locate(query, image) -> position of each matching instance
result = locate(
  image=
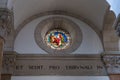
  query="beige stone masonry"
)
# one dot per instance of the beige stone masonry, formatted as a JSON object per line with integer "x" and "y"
{"x": 110, "y": 38}
{"x": 1, "y": 54}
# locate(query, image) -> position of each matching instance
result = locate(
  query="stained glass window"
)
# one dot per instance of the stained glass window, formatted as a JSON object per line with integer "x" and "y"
{"x": 58, "y": 39}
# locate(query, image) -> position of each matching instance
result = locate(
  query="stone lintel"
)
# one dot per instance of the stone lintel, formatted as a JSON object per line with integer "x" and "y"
{"x": 39, "y": 64}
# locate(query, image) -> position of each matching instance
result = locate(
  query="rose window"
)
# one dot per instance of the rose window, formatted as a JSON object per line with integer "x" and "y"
{"x": 58, "y": 39}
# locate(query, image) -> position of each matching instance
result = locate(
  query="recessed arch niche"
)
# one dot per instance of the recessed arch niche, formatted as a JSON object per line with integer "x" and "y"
{"x": 60, "y": 24}
{"x": 25, "y": 37}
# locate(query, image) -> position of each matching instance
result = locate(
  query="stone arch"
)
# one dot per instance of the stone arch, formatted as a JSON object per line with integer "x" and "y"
{"x": 57, "y": 12}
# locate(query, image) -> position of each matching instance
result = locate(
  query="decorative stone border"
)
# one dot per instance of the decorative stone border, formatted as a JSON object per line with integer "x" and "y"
{"x": 9, "y": 62}
{"x": 67, "y": 25}
{"x": 6, "y": 22}
{"x": 112, "y": 63}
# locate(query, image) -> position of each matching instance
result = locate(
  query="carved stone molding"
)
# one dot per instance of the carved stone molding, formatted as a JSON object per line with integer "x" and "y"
{"x": 112, "y": 62}
{"x": 9, "y": 59}
{"x": 6, "y": 22}
{"x": 7, "y": 28}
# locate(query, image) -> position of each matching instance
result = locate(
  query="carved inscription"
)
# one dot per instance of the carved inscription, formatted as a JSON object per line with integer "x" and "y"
{"x": 60, "y": 67}
{"x": 36, "y": 65}
{"x": 52, "y": 67}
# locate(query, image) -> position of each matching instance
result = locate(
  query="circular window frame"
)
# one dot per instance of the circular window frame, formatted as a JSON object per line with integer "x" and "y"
{"x": 68, "y": 25}
{"x": 58, "y": 42}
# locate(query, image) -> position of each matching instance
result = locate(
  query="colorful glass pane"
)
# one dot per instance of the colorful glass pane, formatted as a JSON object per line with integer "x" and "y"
{"x": 57, "y": 39}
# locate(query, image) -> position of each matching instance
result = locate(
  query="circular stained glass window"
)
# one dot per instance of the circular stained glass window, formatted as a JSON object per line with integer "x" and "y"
{"x": 58, "y": 39}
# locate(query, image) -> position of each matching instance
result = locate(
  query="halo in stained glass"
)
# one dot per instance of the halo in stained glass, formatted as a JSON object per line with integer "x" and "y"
{"x": 58, "y": 39}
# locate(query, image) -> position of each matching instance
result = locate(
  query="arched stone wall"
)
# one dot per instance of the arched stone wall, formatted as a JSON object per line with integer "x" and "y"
{"x": 57, "y": 12}
{"x": 91, "y": 43}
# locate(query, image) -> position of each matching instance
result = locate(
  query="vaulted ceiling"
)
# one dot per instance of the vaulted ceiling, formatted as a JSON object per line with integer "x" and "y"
{"x": 92, "y": 10}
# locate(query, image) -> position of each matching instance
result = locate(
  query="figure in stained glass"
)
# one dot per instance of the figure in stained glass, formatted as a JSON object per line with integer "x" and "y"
{"x": 57, "y": 39}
